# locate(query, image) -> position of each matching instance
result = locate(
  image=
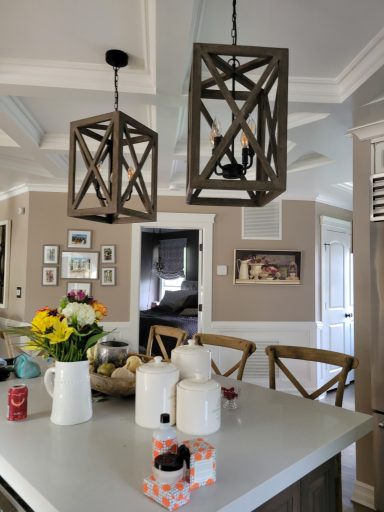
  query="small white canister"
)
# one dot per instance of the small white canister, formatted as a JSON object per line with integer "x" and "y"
{"x": 155, "y": 392}
{"x": 191, "y": 359}
{"x": 198, "y": 406}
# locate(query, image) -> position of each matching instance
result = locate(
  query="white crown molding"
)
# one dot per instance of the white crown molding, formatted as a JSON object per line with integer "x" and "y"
{"x": 296, "y": 119}
{"x": 368, "y": 131}
{"x": 149, "y": 38}
{"x": 73, "y": 75}
{"x": 362, "y": 66}
{"x": 313, "y": 90}
{"x": 15, "y": 110}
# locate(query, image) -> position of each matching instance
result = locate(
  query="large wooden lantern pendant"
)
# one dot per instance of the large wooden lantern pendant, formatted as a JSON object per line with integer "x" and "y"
{"x": 112, "y": 165}
{"x": 248, "y": 163}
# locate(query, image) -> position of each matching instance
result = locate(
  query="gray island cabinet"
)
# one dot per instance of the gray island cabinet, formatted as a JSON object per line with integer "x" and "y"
{"x": 276, "y": 452}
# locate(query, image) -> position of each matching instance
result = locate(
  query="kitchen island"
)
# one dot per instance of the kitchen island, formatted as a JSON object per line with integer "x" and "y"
{"x": 266, "y": 445}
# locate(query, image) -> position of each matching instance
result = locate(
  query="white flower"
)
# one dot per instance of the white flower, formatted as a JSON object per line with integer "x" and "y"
{"x": 79, "y": 314}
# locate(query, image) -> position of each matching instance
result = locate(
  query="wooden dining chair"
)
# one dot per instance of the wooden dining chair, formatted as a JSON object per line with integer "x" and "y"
{"x": 345, "y": 362}
{"x": 164, "y": 338}
{"x": 245, "y": 346}
{"x": 7, "y": 339}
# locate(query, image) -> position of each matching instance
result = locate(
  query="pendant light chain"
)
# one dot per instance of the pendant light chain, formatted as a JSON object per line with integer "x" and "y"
{"x": 233, "y": 61}
{"x": 234, "y": 25}
{"x": 116, "y": 105}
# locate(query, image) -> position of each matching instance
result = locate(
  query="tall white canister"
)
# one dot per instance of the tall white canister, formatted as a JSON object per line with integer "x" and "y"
{"x": 155, "y": 392}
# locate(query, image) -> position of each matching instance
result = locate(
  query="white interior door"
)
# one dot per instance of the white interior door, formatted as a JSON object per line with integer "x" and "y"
{"x": 337, "y": 289}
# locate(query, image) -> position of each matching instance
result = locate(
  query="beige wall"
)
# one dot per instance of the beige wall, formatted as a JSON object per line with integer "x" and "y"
{"x": 362, "y": 274}
{"x": 48, "y": 224}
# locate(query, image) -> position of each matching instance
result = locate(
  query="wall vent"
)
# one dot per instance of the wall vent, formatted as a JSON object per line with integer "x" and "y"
{"x": 377, "y": 197}
{"x": 257, "y": 366}
{"x": 262, "y": 223}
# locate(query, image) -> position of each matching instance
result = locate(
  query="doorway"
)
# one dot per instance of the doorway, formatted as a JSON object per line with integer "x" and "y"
{"x": 180, "y": 221}
{"x": 337, "y": 288}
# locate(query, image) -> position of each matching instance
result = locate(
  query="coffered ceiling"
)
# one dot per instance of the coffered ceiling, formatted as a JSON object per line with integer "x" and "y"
{"x": 52, "y": 71}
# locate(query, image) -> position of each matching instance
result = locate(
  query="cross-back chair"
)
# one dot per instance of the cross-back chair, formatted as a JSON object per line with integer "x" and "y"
{"x": 7, "y": 339}
{"x": 165, "y": 338}
{"x": 345, "y": 362}
{"x": 245, "y": 346}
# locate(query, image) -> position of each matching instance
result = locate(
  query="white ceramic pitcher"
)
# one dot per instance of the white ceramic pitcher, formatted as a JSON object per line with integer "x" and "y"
{"x": 69, "y": 386}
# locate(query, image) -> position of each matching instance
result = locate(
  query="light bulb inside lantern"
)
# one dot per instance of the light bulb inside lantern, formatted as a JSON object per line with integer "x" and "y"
{"x": 130, "y": 173}
{"x": 252, "y": 126}
{"x": 215, "y": 131}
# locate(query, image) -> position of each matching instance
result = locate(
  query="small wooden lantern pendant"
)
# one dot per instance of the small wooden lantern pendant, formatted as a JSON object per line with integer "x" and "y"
{"x": 112, "y": 163}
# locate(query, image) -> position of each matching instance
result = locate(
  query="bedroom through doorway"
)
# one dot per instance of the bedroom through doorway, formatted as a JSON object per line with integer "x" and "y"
{"x": 169, "y": 280}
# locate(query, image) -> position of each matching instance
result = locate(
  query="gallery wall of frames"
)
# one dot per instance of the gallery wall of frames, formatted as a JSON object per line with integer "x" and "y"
{"x": 79, "y": 263}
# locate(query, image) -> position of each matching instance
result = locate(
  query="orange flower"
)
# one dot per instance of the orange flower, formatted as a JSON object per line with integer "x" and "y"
{"x": 100, "y": 310}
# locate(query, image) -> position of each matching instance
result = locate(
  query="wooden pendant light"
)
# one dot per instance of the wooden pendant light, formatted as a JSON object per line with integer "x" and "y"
{"x": 258, "y": 88}
{"x": 112, "y": 163}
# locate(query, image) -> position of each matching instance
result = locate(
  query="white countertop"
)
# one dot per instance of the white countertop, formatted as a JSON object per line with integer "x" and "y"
{"x": 272, "y": 440}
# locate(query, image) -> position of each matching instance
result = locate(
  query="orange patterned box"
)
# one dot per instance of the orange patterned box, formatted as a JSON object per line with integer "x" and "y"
{"x": 202, "y": 464}
{"x": 171, "y": 497}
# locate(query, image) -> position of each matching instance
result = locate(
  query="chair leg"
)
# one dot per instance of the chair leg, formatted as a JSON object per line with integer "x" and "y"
{"x": 338, "y": 490}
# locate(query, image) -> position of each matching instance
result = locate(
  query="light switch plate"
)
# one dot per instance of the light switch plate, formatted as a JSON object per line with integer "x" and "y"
{"x": 222, "y": 270}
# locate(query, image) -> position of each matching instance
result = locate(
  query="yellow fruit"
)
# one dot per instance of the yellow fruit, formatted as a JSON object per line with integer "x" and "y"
{"x": 106, "y": 369}
{"x": 91, "y": 353}
{"x": 133, "y": 362}
{"x": 122, "y": 373}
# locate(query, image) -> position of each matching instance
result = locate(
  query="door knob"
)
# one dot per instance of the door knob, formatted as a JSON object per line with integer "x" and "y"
{"x": 348, "y": 315}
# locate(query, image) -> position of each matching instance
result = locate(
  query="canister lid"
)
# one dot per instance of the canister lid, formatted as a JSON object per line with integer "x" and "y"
{"x": 197, "y": 383}
{"x": 190, "y": 349}
{"x": 168, "y": 462}
{"x": 157, "y": 366}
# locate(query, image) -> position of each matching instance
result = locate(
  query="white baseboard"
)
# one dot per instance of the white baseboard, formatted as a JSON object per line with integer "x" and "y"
{"x": 364, "y": 495}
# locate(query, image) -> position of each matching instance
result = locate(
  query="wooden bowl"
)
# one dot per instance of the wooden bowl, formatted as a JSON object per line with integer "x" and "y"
{"x": 116, "y": 387}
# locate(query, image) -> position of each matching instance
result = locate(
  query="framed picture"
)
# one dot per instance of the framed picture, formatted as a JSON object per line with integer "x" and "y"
{"x": 50, "y": 254}
{"x": 85, "y": 287}
{"x": 79, "y": 265}
{"x": 108, "y": 254}
{"x": 267, "y": 267}
{"x": 79, "y": 239}
{"x": 108, "y": 276}
{"x": 49, "y": 277}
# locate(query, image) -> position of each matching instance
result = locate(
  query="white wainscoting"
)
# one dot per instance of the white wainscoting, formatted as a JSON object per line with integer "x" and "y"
{"x": 306, "y": 334}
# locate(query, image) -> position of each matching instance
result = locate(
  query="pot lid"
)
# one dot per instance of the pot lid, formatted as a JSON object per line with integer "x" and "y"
{"x": 197, "y": 383}
{"x": 190, "y": 349}
{"x": 157, "y": 366}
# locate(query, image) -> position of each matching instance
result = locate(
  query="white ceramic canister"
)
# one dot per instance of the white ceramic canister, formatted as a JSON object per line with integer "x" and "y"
{"x": 192, "y": 359}
{"x": 155, "y": 392}
{"x": 198, "y": 406}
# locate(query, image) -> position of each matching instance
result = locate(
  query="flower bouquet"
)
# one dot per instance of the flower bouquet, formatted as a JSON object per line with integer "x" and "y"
{"x": 66, "y": 333}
